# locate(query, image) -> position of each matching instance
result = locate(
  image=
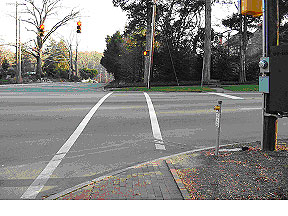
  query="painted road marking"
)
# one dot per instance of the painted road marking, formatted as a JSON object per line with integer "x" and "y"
{"x": 159, "y": 143}
{"x": 41, "y": 180}
{"x": 225, "y": 95}
{"x": 252, "y": 108}
{"x": 209, "y": 111}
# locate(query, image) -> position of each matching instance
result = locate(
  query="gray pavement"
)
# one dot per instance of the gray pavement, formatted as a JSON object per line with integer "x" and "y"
{"x": 36, "y": 123}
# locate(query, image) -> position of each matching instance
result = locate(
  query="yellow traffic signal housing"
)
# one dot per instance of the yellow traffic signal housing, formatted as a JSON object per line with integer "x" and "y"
{"x": 79, "y": 24}
{"x": 41, "y": 30}
{"x": 217, "y": 107}
{"x": 251, "y": 7}
{"x": 146, "y": 52}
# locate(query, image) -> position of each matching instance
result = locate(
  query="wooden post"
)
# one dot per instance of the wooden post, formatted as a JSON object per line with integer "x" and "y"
{"x": 151, "y": 44}
{"x": 148, "y": 42}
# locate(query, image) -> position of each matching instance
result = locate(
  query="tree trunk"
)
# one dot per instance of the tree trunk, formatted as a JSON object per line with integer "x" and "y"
{"x": 207, "y": 45}
{"x": 70, "y": 61}
{"x": 39, "y": 67}
{"x": 39, "y": 58}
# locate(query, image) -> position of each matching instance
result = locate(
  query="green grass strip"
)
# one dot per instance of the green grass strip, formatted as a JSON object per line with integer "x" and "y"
{"x": 242, "y": 88}
{"x": 167, "y": 89}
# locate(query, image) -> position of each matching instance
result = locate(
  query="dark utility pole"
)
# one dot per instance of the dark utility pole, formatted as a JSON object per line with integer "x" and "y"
{"x": 149, "y": 42}
{"x": 148, "y": 38}
{"x": 269, "y": 39}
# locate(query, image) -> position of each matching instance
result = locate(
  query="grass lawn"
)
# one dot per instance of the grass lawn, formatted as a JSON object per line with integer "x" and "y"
{"x": 242, "y": 87}
{"x": 167, "y": 89}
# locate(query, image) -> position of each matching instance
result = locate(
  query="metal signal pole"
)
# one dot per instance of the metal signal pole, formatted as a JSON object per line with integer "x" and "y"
{"x": 76, "y": 59}
{"x": 19, "y": 77}
{"x": 16, "y": 36}
{"x": 16, "y": 45}
{"x": 269, "y": 39}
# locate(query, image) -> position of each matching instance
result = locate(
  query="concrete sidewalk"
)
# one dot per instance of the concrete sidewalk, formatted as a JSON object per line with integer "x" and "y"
{"x": 241, "y": 171}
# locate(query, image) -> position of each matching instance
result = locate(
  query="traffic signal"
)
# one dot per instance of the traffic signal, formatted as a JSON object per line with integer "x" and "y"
{"x": 79, "y": 27}
{"x": 251, "y": 7}
{"x": 146, "y": 53}
{"x": 41, "y": 30}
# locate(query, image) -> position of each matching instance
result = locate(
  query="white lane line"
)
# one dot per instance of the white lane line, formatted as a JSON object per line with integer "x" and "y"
{"x": 225, "y": 95}
{"x": 252, "y": 108}
{"x": 159, "y": 143}
{"x": 41, "y": 180}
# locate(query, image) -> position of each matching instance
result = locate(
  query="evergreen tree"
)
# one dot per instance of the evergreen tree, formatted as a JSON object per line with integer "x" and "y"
{"x": 112, "y": 55}
{"x": 177, "y": 24}
{"x": 5, "y": 65}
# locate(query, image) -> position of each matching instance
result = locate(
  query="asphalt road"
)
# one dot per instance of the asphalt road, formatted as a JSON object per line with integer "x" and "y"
{"x": 37, "y": 121}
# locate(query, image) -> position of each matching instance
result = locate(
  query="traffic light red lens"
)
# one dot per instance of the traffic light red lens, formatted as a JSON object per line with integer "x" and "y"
{"x": 79, "y": 23}
{"x": 41, "y": 27}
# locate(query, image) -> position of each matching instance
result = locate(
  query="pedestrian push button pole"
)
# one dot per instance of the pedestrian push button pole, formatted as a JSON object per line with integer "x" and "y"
{"x": 217, "y": 125}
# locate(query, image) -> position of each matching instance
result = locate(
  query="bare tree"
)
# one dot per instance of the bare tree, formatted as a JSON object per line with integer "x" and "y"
{"x": 38, "y": 16}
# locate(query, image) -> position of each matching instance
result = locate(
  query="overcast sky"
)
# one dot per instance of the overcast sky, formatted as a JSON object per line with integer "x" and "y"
{"x": 99, "y": 19}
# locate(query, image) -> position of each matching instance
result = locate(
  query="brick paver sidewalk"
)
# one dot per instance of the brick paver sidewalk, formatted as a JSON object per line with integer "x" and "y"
{"x": 152, "y": 180}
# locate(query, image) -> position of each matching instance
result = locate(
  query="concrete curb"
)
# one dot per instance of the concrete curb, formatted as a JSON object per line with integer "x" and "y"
{"x": 185, "y": 194}
{"x": 175, "y": 176}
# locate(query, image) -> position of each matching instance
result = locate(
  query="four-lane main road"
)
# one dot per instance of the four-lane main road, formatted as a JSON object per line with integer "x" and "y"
{"x": 54, "y": 136}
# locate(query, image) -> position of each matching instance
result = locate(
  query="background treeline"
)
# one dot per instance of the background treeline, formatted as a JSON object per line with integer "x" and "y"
{"x": 179, "y": 36}
{"x": 56, "y": 63}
